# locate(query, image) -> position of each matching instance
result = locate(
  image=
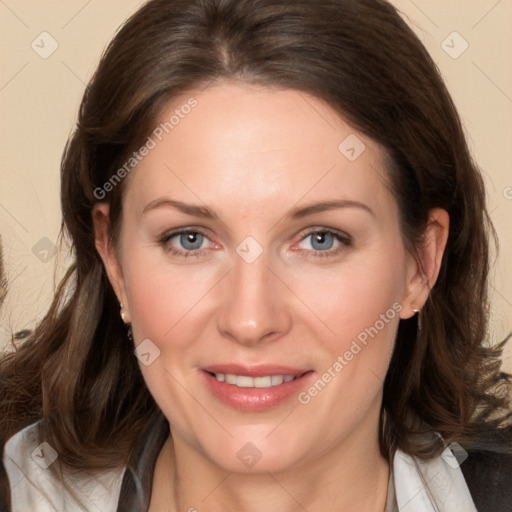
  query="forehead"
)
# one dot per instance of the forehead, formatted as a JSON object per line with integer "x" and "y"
{"x": 250, "y": 146}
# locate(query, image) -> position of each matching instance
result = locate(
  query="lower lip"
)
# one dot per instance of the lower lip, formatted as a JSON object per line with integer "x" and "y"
{"x": 255, "y": 399}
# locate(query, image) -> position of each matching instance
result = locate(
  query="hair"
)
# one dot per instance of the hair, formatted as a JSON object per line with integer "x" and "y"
{"x": 76, "y": 373}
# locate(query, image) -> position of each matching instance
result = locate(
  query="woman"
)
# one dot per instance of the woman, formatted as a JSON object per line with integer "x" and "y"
{"x": 207, "y": 351}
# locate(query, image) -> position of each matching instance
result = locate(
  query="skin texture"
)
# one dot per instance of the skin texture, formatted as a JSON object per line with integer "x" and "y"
{"x": 252, "y": 154}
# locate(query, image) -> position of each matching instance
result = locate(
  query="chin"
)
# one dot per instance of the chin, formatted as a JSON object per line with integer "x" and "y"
{"x": 252, "y": 454}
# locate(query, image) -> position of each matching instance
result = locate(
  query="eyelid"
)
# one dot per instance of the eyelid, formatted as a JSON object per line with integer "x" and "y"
{"x": 345, "y": 240}
{"x": 164, "y": 239}
{"x": 324, "y": 229}
{"x": 179, "y": 231}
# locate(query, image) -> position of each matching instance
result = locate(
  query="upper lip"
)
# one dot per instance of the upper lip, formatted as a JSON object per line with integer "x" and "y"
{"x": 254, "y": 371}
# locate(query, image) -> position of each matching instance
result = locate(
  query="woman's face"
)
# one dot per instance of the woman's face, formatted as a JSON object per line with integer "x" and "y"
{"x": 293, "y": 265}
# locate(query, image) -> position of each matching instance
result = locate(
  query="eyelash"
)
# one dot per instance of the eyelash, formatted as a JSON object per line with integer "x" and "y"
{"x": 346, "y": 241}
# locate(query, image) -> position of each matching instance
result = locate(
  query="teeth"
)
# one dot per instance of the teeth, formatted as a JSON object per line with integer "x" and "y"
{"x": 244, "y": 381}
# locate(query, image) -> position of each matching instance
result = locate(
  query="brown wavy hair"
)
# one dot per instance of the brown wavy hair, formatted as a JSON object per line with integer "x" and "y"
{"x": 77, "y": 372}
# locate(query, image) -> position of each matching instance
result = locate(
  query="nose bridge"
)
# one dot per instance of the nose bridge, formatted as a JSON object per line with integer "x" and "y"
{"x": 253, "y": 304}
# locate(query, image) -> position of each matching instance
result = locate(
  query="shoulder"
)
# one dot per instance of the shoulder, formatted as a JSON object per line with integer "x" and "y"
{"x": 37, "y": 481}
{"x": 488, "y": 475}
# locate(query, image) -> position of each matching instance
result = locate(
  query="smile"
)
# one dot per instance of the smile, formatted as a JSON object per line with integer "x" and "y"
{"x": 246, "y": 381}
{"x": 255, "y": 393}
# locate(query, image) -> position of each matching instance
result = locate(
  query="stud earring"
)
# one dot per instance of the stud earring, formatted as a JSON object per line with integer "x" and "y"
{"x": 122, "y": 313}
{"x": 128, "y": 324}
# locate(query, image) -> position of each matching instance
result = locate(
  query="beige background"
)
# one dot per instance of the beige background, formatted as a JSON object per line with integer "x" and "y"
{"x": 39, "y": 98}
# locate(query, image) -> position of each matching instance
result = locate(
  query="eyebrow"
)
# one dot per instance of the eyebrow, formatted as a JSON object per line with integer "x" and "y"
{"x": 296, "y": 213}
{"x": 190, "y": 209}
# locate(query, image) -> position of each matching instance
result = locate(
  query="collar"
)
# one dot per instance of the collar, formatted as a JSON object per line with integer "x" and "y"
{"x": 436, "y": 485}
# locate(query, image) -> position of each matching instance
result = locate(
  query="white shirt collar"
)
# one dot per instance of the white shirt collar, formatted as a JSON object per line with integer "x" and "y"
{"x": 436, "y": 485}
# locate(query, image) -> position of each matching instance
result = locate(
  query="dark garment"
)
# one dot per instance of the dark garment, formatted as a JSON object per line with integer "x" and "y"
{"x": 138, "y": 478}
{"x": 489, "y": 478}
{"x": 5, "y": 491}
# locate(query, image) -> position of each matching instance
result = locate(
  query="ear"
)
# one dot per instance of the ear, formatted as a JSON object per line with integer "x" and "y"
{"x": 423, "y": 268}
{"x": 101, "y": 221}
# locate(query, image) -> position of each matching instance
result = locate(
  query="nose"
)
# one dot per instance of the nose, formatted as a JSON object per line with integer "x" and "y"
{"x": 255, "y": 305}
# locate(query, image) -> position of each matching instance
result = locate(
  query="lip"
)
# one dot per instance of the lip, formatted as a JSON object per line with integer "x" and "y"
{"x": 255, "y": 399}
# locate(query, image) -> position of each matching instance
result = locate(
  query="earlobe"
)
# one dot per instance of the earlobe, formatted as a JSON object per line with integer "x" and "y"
{"x": 101, "y": 219}
{"x": 424, "y": 269}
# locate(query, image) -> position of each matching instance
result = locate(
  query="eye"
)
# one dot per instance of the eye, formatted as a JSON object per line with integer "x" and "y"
{"x": 185, "y": 242}
{"x": 326, "y": 242}
{"x": 191, "y": 242}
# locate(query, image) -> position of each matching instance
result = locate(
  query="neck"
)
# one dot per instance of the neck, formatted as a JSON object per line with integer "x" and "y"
{"x": 351, "y": 477}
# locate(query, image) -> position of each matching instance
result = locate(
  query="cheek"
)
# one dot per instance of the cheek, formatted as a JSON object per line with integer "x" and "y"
{"x": 359, "y": 309}
{"x": 350, "y": 300}
{"x": 164, "y": 303}
{"x": 164, "y": 298}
